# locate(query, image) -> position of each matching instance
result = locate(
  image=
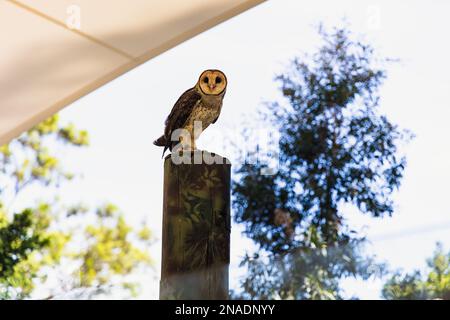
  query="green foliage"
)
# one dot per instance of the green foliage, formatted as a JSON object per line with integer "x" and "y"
{"x": 433, "y": 284}
{"x": 312, "y": 271}
{"x": 29, "y": 159}
{"x": 109, "y": 251}
{"x": 335, "y": 149}
{"x": 50, "y": 239}
{"x": 18, "y": 239}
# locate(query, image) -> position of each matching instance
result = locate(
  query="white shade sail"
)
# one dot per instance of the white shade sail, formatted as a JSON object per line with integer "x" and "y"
{"x": 53, "y": 52}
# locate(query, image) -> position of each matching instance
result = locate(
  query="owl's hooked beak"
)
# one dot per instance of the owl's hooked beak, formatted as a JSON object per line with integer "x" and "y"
{"x": 212, "y": 86}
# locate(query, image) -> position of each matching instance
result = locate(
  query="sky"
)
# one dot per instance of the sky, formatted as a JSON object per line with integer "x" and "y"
{"x": 123, "y": 117}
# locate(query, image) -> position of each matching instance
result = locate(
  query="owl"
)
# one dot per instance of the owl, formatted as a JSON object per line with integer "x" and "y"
{"x": 199, "y": 105}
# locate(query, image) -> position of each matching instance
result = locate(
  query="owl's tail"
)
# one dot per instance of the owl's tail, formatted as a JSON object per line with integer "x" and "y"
{"x": 162, "y": 142}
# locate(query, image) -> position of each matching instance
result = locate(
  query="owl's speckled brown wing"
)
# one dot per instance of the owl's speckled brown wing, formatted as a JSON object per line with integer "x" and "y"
{"x": 181, "y": 111}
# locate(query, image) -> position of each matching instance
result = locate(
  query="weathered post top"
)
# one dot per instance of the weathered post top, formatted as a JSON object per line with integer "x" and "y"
{"x": 196, "y": 227}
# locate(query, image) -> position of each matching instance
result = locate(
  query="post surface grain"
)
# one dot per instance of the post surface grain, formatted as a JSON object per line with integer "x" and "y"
{"x": 196, "y": 230}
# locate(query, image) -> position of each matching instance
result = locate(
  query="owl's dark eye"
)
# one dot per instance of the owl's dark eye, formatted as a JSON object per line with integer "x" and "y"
{"x": 205, "y": 79}
{"x": 218, "y": 80}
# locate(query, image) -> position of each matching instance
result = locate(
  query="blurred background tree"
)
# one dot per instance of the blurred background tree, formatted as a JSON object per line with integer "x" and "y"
{"x": 335, "y": 148}
{"x": 88, "y": 251}
{"x": 433, "y": 284}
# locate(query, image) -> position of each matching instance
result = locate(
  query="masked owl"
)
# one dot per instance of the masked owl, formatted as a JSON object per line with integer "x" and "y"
{"x": 201, "y": 103}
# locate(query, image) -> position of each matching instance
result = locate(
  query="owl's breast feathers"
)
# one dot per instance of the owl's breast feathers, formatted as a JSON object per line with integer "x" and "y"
{"x": 191, "y": 106}
{"x": 207, "y": 110}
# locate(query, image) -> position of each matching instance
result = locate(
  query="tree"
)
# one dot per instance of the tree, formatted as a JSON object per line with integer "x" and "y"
{"x": 90, "y": 251}
{"x": 433, "y": 284}
{"x": 334, "y": 149}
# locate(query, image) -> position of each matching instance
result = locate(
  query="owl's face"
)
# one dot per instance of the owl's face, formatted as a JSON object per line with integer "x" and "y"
{"x": 212, "y": 82}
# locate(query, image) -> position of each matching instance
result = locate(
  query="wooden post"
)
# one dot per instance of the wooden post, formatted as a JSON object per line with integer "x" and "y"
{"x": 196, "y": 229}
